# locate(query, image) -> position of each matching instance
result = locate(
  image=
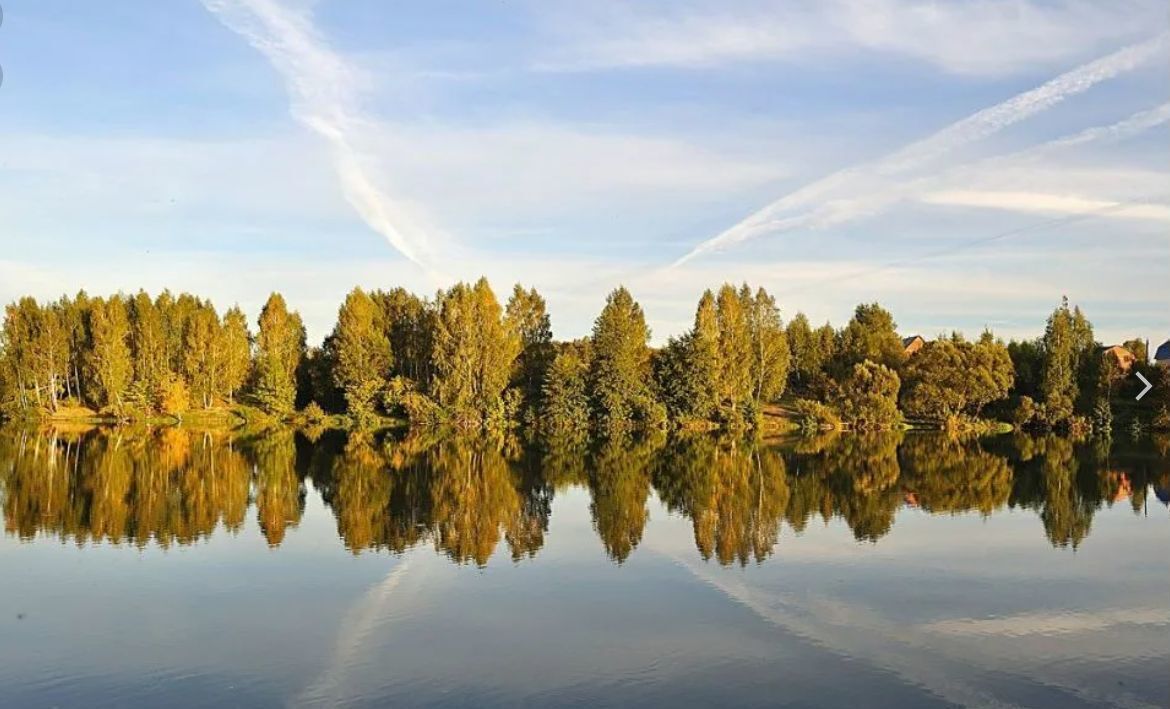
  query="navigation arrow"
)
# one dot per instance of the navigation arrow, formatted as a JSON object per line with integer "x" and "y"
{"x": 1146, "y": 382}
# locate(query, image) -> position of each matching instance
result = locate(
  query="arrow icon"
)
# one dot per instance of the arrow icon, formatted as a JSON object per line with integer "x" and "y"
{"x": 1146, "y": 382}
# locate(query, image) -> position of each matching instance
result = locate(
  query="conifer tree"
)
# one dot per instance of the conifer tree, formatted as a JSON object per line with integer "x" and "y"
{"x": 280, "y": 346}
{"x": 620, "y": 368}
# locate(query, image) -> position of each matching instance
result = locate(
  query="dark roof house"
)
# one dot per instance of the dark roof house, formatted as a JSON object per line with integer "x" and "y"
{"x": 1162, "y": 356}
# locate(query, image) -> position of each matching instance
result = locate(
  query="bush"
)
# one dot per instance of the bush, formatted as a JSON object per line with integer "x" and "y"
{"x": 173, "y": 397}
{"x": 313, "y": 413}
{"x": 813, "y": 415}
{"x": 869, "y": 397}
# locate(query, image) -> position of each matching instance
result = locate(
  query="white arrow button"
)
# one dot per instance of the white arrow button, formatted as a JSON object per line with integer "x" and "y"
{"x": 1146, "y": 382}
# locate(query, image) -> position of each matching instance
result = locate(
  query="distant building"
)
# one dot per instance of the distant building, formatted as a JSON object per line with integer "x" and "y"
{"x": 1121, "y": 356}
{"x": 912, "y": 344}
{"x": 1162, "y": 356}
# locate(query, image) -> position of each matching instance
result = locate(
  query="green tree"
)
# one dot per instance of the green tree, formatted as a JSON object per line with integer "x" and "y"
{"x": 148, "y": 347}
{"x": 1068, "y": 347}
{"x": 770, "y": 353}
{"x": 950, "y": 377}
{"x": 702, "y": 382}
{"x": 409, "y": 323}
{"x": 237, "y": 347}
{"x": 734, "y": 382}
{"x": 869, "y": 397}
{"x": 204, "y": 355}
{"x": 870, "y": 335}
{"x": 527, "y": 315}
{"x": 474, "y": 354}
{"x": 566, "y": 397}
{"x": 620, "y": 368}
{"x": 280, "y": 346}
{"x": 108, "y": 362}
{"x": 363, "y": 353}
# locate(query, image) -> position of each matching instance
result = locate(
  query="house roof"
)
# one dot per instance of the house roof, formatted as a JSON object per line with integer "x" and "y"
{"x": 1111, "y": 348}
{"x": 907, "y": 340}
{"x": 1163, "y": 352}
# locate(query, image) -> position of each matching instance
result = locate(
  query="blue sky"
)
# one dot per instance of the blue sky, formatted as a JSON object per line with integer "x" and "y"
{"x": 964, "y": 163}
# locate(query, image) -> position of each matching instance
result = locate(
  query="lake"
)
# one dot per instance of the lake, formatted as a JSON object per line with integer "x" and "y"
{"x": 181, "y": 568}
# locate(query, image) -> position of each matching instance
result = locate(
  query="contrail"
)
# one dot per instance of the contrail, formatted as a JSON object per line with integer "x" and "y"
{"x": 840, "y": 189}
{"x": 323, "y": 96}
{"x": 362, "y": 618}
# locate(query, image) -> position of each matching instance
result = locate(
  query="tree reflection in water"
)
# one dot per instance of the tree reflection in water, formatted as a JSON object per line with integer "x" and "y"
{"x": 175, "y": 486}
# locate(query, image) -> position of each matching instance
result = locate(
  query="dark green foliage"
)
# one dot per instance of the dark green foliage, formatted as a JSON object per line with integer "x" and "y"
{"x": 527, "y": 315}
{"x": 620, "y": 368}
{"x": 362, "y": 355}
{"x": 280, "y": 347}
{"x": 868, "y": 397}
{"x": 951, "y": 377}
{"x": 870, "y": 335}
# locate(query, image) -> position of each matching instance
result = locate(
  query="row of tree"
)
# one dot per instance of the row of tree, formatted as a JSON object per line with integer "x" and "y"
{"x": 463, "y": 359}
{"x": 173, "y": 485}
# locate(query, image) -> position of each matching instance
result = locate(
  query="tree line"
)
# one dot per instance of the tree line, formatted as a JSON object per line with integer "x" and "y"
{"x": 463, "y": 359}
{"x": 173, "y": 485}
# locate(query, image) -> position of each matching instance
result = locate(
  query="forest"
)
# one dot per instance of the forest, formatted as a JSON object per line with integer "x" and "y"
{"x": 463, "y": 360}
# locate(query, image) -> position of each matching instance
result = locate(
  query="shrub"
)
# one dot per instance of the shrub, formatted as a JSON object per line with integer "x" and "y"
{"x": 813, "y": 415}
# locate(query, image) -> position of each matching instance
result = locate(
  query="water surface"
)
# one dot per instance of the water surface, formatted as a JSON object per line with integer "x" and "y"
{"x": 190, "y": 569}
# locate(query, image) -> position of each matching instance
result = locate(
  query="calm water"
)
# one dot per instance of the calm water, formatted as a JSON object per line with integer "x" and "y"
{"x": 177, "y": 568}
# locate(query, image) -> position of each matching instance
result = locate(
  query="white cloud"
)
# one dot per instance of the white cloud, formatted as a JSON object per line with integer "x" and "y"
{"x": 529, "y": 169}
{"x": 861, "y": 190}
{"x": 1040, "y": 203}
{"x": 324, "y": 90}
{"x": 984, "y": 37}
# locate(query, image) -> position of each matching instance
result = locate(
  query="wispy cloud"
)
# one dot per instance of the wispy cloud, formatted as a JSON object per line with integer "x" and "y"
{"x": 984, "y": 37}
{"x": 843, "y": 195}
{"x": 324, "y": 92}
{"x": 1040, "y": 203}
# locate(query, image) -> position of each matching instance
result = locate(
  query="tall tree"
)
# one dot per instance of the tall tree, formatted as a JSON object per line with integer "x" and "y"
{"x": 735, "y": 348}
{"x": 109, "y": 364}
{"x": 204, "y": 355}
{"x": 706, "y": 361}
{"x": 527, "y": 315}
{"x": 1067, "y": 347}
{"x": 363, "y": 353}
{"x": 474, "y": 354}
{"x": 148, "y": 347}
{"x": 280, "y": 346}
{"x": 870, "y": 335}
{"x": 770, "y": 353}
{"x": 409, "y": 323}
{"x": 237, "y": 347}
{"x": 620, "y": 369}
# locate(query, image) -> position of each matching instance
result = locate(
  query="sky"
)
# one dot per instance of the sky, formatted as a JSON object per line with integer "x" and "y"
{"x": 966, "y": 164}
